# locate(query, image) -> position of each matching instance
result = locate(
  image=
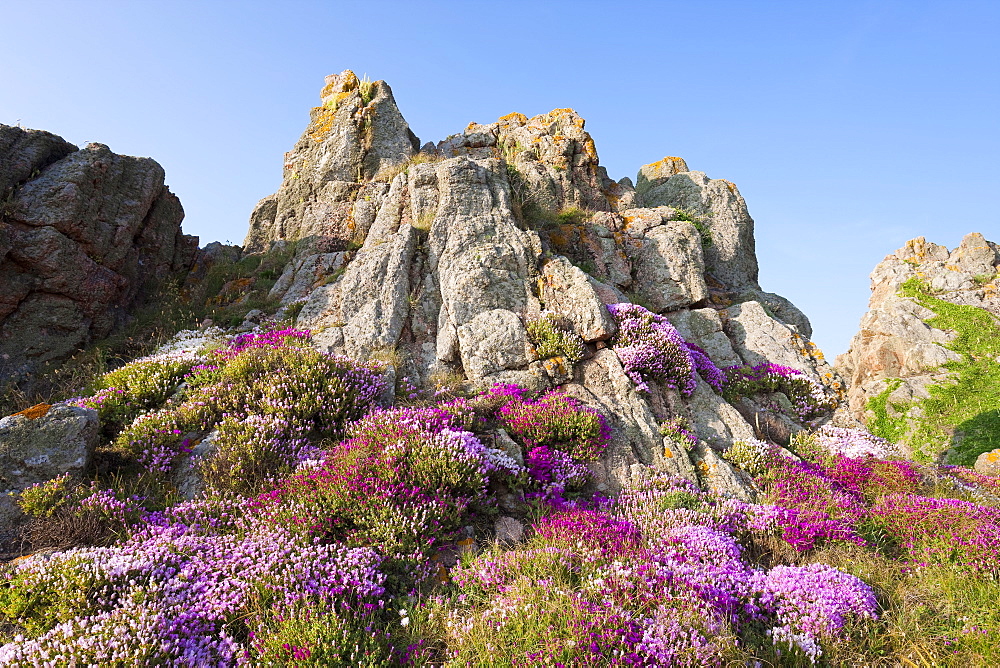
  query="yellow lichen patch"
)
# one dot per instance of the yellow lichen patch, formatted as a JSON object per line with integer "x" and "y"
{"x": 730, "y": 185}
{"x": 668, "y": 166}
{"x": 667, "y": 453}
{"x": 35, "y": 412}
{"x": 322, "y": 123}
{"x": 514, "y": 117}
{"x": 339, "y": 83}
{"x": 952, "y": 267}
{"x": 590, "y": 148}
{"x": 471, "y": 126}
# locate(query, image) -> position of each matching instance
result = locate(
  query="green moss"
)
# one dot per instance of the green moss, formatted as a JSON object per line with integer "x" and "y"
{"x": 964, "y": 412}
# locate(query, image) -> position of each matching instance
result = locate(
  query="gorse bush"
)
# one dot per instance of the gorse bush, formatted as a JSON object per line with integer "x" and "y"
{"x": 554, "y": 338}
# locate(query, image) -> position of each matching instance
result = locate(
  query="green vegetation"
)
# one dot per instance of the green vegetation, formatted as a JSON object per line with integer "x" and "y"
{"x": 883, "y": 424}
{"x": 226, "y": 293}
{"x": 700, "y": 223}
{"x": 964, "y": 411}
{"x": 552, "y": 336}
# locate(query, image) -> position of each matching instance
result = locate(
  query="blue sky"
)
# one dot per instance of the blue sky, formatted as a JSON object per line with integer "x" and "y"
{"x": 848, "y": 126}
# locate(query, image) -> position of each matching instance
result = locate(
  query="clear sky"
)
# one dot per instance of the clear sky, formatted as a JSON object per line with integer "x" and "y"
{"x": 848, "y": 126}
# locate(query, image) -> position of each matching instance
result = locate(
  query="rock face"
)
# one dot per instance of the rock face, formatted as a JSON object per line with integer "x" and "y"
{"x": 40, "y": 444}
{"x": 355, "y": 134}
{"x": 893, "y": 341}
{"x": 81, "y": 230}
{"x": 438, "y": 259}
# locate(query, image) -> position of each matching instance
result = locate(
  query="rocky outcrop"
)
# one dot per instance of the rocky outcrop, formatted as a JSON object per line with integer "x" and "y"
{"x": 39, "y": 444}
{"x": 894, "y": 340}
{"x": 355, "y": 136}
{"x": 438, "y": 260}
{"x": 81, "y": 232}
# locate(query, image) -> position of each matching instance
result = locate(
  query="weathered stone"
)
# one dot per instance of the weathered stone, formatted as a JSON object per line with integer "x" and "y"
{"x": 719, "y": 476}
{"x": 603, "y": 385}
{"x": 24, "y": 153}
{"x": 41, "y": 445}
{"x": 566, "y": 290}
{"x": 668, "y": 269}
{"x": 82, "y": 231}
{"x": 655, "y": 174}
{"x": 893, "y": 339}
{"x": 758, "y": 338}
{"x": 703, "y": 327}
{"x": 357, "y": 134}
{"x": 302, "y": 275}
{"x": 493, "y": 341}
{"x": 716, "y": 422}
{"x": 730, "y": 258}
{"x": 988, "y": 463}
{"x": 509, "y": 531}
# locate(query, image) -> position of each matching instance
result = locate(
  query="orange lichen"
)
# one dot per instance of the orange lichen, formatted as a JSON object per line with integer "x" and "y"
{"x": 339, "y": 83}
{"x": 35, "y": 412}
{"x": 519, "y": 118}
{"x": 671, "y": 164}
{"x": 322, "y": 123}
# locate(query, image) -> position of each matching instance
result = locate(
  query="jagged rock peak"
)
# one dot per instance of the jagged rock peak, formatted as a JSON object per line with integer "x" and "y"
{"x": 353, "y": 138}
{"x": 81, "y": 230}
{"x": 895, "y": 346}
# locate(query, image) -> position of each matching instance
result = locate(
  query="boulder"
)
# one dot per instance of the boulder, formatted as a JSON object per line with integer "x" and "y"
{"x": 894, "y": 340}
{"x": 356, "y": 134}
{"x": 39, "y": 444}
{"x": 731, "y": 257}
{"x": 566, "y": 290}
{"x": 82, "y": 231}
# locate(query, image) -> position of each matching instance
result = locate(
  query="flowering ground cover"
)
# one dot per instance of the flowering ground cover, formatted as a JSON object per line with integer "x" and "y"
{"x": 332, "y": 530}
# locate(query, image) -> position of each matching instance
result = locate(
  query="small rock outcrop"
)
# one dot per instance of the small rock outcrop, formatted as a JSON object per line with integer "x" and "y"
{"x": 81, "y": 231}
{"x": 39, "y": 444}
{"x": 898, "y": 353}
{"x": 439, "y": 259}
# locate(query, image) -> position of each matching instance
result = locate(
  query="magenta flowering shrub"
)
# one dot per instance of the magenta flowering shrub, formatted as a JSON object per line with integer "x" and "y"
{"x": 810, "y": 603}
{"x": 402, "y": 482}
{"x": 663, "y": 581}
{"x": 178, "y": 591}
{"x": 651, "y": 349}
{"x": 943, "y": 531}
{"x": 301, "y": 394}
{"x": 272, "y": 338}
{"x": 808, "y": 397}
{"x": 812, "y": 508}
{"x": 142, "y": 384}
{"x": 556, "y": 473}
{"x": 555, "y": 421}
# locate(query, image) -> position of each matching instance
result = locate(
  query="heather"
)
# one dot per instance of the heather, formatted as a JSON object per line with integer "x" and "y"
{"x": 652, "y": 350}
{"x": 330, "y": 528}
